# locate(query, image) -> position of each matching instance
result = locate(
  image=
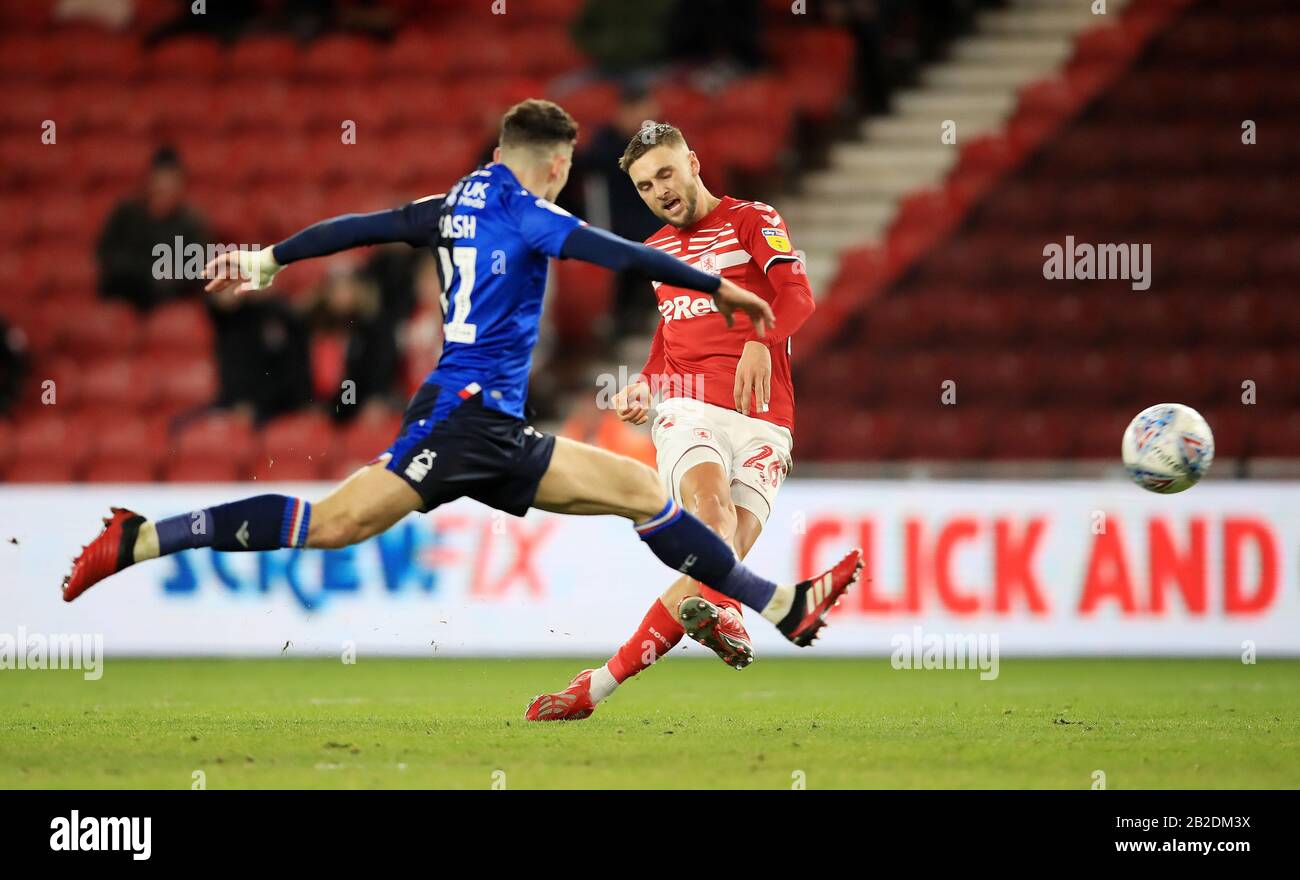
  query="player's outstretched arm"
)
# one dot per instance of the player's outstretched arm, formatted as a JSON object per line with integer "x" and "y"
{"x": 619, "y": 255}
{"x": 254, "y": 270}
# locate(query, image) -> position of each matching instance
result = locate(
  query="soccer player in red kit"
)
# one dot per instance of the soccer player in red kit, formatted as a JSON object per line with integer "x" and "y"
{"x": 725, "y": 400}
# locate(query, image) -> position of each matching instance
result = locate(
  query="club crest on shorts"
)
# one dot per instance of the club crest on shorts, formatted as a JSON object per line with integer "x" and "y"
{"x": 419, "y": 467}
{"x": 703, "y": 434}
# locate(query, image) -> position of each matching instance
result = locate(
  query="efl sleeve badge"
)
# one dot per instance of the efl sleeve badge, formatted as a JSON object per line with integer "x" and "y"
{"x": 777, "y": 239}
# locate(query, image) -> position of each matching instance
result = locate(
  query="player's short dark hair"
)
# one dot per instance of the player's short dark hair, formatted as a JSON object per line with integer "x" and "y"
{"x": 650, "y": 136}
{"x": 537, "y": 123}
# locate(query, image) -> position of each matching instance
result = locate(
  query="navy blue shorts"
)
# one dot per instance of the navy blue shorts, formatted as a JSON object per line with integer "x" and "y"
{"x": 449, "y": 448}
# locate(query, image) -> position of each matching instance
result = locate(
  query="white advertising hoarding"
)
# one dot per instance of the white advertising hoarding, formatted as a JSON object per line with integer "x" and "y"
{"x": 1051, "y": 568}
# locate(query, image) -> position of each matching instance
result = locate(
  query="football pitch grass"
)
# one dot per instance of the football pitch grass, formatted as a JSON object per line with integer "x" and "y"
{"x": 690, "y": 723}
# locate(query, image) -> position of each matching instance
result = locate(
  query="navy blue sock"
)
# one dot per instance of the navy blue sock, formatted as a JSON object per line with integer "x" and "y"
{"x": 683, "y": 542}
{"x": 263, "y": 522}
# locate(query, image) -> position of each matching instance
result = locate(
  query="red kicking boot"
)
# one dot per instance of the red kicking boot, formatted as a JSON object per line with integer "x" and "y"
{"x": 572, "y": 704}
{"x": 814, "y": 598}
{"x": 109, "y": 553}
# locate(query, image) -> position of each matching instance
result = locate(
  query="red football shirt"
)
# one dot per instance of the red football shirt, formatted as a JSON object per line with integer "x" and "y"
{"x": 694, "y": 353}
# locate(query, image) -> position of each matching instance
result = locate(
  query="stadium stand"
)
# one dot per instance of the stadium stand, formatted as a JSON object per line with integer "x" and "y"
{"x": 1153, "y": 156}
{"x": 257, "y": 123}
{"x": 952, "y": 289}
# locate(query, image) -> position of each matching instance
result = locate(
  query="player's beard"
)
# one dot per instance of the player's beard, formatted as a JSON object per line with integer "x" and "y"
{"x": 690, "y": 198}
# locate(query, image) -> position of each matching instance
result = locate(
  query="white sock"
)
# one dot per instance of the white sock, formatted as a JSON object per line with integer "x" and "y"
{"x": 779, "y": 606}
{"x": 603, "y": 684}
{"x": 146, "y": 543}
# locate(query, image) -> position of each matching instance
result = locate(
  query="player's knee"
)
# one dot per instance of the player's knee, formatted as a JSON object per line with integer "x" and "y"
{"x": 644, "y": 493}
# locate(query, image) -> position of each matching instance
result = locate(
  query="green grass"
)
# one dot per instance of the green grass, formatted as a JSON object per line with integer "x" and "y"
{"x": 691, "y": 723}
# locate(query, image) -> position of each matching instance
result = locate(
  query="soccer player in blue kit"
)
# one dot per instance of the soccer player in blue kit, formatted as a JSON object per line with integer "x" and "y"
{"x": 464, "y": 433}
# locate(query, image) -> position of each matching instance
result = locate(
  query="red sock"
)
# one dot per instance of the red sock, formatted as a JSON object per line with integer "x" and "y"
{"x": 658, "y": 633}
{"x": 719, "y": 599}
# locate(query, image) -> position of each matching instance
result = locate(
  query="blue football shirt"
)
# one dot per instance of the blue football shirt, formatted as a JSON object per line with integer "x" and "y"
{"x": 493, "y": 240}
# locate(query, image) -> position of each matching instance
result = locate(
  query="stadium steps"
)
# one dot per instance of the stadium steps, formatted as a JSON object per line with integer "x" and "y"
{"x": 855, "y": 200}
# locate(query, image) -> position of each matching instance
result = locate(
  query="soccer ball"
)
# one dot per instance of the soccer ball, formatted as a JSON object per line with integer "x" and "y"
{"x": 1168, "y": 448}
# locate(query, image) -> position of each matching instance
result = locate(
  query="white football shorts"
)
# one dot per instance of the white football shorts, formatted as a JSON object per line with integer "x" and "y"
{"x": 755, "y": 454}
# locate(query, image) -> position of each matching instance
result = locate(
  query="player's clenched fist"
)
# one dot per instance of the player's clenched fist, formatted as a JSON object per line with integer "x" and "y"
{"x": 753, "y": 378}
{"x": 731, "y": 296}
{"x": 250, "y": 270}
{"x": 633, "y": 403}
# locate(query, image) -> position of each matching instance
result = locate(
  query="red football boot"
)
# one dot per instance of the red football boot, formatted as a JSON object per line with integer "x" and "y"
{"x": 572, "y": 704}
{"x": 109, "y": 553}
{"x": 814, "y": 598}
{"x": 717, "y": 628}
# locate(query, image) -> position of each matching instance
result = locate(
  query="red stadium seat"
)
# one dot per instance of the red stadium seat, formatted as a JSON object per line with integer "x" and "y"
{"x": 106, "y": 56}
{"x": 296, "y": 447}
{"x": 6, "y": 443}
{"x": 1036, "y": 434}
{"x": 591, "y": 103}
{"x": 122, "y": 383}
{"x": 367, "y": 436}
{"x": 986, "y": 155}
{"x": 921, "y": 376}
{"x": 757, "y": 98}
{"x": 140, "y": 436}
{"x": 861, "y": 271}
{"x": 861, "y": 436}
{"x": 582, "y": 293}
{"x": 476, "y": 52}
{"x": 28, "y": 56}
{"x": 104, "y": 328}
{"x": 1100, "y": 434}
{"x": 67, "y": 388}
{"x": 289, "y": 468}
{"x": 946, "y": 432}
{"x": 1231, "y": 426}
{"x": 1068, "y": 318}
{"x": 340, "y": 57}
{"x": 202, "y": 469}
{"x": 180, "y": 111}
{"x": 553, "y": 12}
{"x": 1274, "y": 374}
{"x": 189, "y": 383}
{"x": 120, "y": 470}
{"x": 186, "y": 57}
{"x": 544, "y": 54}
{"x": 900, "y": 321}
{"x": 51, "y": 436}
{"x": 818, "y": 89}
{"x": 1004, "y": 377}
{"x": 307, "y": 431}
{"x": 40, "y": 470}
{"x": 1109, "y": 44}
{"x": 415, "y": 54}
{"x": 178, "y": 328}
{"x": 217, "y": 436}
{"x": 263, "y": 57}
{"x": 1275, "y": 436}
